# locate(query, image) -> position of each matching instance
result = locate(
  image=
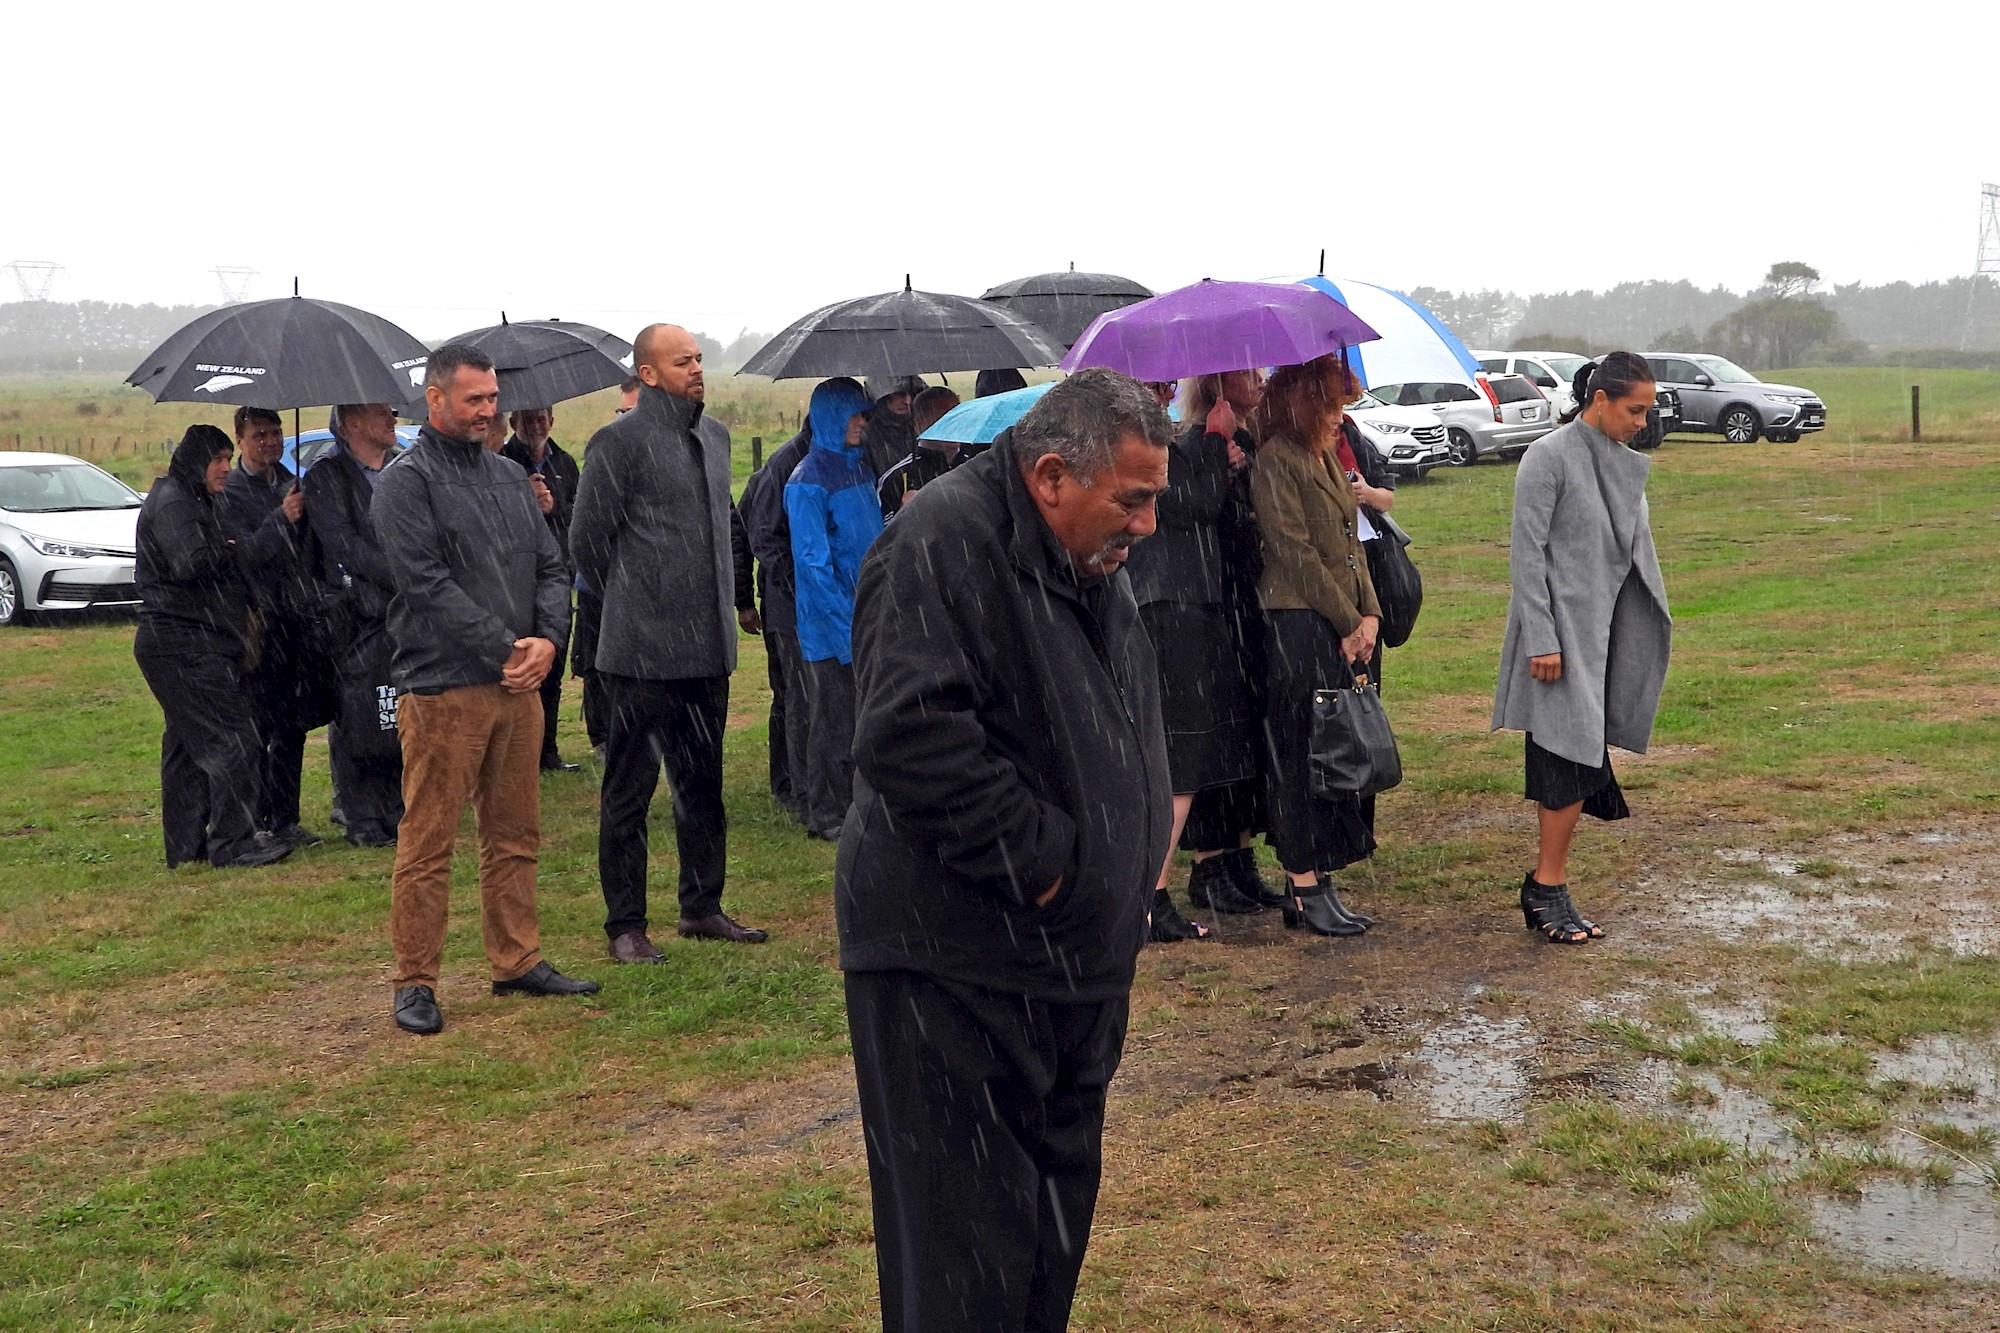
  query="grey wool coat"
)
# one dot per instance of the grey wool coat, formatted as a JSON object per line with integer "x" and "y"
{"x": 650, "y": 535}
{"x": 1586, "y": 584}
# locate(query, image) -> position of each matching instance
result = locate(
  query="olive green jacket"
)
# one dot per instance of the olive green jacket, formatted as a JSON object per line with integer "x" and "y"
{"x": 1312, "y": 560}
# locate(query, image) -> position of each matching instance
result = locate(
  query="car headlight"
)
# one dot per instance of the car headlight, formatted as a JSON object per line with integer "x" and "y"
{"x": 1389, "y": 427}
{"x": 49, "y": 546}
{"x": 1788, "y": 399}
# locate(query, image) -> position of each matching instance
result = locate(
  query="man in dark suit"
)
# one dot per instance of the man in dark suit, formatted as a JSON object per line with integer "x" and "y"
{"x": 554, "y": 475}
{"x": 362, "y": 748}
{"x": 651, "y": 534}
{"x": 1011, "y": 808}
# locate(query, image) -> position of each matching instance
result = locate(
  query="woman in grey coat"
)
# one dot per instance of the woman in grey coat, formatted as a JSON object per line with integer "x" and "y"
{"x": 1588, "y": 630}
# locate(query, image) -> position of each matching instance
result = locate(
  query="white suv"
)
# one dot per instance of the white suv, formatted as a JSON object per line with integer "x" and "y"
{"x": 1410, "y": 439}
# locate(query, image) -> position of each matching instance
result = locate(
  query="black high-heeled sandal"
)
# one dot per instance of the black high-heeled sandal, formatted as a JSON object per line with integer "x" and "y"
{"x": 1314, "y": 910}
{"x": 1547, "y": 909}
{"x": 1168, "y": 926}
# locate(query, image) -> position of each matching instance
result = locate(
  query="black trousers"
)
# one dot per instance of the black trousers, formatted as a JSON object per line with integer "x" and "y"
{"x": 791, "y": 718}
{"x": 552, "y": 702}
{"x": 678, "y": 723}
{"x": 984, "y": 1118}
{"x": 369, "y": 788}
{"x": 829, "y": 767}
{"x": 209, "y": 766}
{"x": 583, "y": 662}
{"x": 292, "y": 690}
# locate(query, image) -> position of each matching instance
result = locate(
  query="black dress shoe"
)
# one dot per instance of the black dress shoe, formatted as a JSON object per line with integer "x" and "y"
{"x": 558, "y": 766}
{"x": 298, "y": 835}
{"x": 718, "y": 926}
{"x": 1211, "y": 885}
{"x": 634, "y": 947}
{"x": 417, "y": 1010}
{"x": 541, "y": 979}
{"x": 264, "y": 850}
{"x": 370, "y": 837}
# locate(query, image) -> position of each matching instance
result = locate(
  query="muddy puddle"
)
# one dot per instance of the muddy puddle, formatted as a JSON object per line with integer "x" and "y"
{"x": 1952, "y": 1230}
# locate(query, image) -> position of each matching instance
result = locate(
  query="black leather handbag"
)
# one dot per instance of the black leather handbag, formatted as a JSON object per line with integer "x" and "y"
{"x": 1399, "y": 588}
{"x": 1353, "y": 750}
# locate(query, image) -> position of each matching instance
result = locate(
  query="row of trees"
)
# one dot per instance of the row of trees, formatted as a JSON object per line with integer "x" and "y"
{"x": 1788, "y": 320}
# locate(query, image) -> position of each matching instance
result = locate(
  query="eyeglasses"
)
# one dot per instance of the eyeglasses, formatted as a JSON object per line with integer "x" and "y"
{"x": 621, "y": 411}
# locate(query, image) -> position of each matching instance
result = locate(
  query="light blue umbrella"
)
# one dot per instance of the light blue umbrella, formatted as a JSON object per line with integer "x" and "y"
{"x": 982, "y": 419}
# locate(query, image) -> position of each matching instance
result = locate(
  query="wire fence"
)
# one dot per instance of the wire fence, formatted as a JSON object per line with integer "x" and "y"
{"x": 87, "y": 446}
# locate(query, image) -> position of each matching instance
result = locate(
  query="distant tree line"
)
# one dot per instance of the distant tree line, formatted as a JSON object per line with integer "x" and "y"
{"x": 1788, "y": 320}
{"x": 100, "y": 337}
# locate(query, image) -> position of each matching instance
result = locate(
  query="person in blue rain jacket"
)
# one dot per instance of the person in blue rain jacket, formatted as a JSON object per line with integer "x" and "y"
{"x": 835, "y": 517}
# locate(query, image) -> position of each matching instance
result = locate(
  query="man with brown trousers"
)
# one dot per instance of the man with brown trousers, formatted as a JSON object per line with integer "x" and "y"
{"x": 480, "y": 613}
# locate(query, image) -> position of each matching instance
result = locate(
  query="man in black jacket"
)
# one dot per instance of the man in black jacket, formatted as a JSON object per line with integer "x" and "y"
{"x": 481, "y": 610}
{"x": 1011, "y": 807}
{"x": 769, "y": 533}
{"x": 550, "y": 464}
{"x": 362, "y": 748}
{"x": 651, "y": 534}
{"x": 290, "y": 684}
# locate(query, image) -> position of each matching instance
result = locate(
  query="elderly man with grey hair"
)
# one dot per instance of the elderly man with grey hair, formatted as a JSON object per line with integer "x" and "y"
{"x": 1011, "y": 809}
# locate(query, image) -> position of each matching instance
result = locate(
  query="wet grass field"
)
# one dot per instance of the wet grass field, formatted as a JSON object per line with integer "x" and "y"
{"x": 1768, "y": 1101}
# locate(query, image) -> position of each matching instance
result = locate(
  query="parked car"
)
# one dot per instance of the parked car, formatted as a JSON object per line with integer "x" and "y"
{"x": 1554, "y": 373}
{"x": 312, "y": 445}
{"x": 69, "y": 532}
{"x": 1411, "y": 439}
{"x": 1503, "y": 415}
{"x": 1719, "y": 397}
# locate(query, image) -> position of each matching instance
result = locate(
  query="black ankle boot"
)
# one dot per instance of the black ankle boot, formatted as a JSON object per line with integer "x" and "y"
{"x": 1313, "y": 909}
{"x": 1168, "y": 925}
{"x": 1243, "y": 869}
{"x": 1211, "y": 885}
{"x": 1340, "y": 908}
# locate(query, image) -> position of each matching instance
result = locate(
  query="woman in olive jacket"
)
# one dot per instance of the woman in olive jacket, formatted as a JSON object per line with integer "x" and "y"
{"x": 1322, "y": 619}
{"x": 191, "y": 646}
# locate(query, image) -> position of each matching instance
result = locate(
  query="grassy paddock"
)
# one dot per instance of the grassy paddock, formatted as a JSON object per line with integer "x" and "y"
{"x": 208, "y": 1122}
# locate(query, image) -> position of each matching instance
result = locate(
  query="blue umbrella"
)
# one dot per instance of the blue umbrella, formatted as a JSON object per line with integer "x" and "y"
{"x": 982, "y": 419}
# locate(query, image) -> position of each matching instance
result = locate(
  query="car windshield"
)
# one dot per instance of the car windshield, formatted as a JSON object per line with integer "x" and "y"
{"x": 1365, "y": 401}
{"x": 1724, "y": 370}
{"x": 1565, "y": 366}
{"x": 53, "y": 488}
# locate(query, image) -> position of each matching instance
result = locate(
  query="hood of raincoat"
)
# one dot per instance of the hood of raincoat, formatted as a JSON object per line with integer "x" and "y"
{"x": 189, "y": 465}
{"x": 833, "y": 402}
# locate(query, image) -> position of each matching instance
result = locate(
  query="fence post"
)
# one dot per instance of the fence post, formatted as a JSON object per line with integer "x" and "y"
{"x": 756, "y": 452}
{"x": 1916, "y": 412}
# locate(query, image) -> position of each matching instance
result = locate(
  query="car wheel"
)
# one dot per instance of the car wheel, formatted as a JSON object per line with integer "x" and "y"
{"x": 1464, "y": 453}
{"x": 1740, "y": 425}
{"x": 10, "y": 592}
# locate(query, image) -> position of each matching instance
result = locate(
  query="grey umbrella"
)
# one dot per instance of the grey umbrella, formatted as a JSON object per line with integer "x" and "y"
{"x": 903, "y": 333}
{"x": 1064, "y": 304}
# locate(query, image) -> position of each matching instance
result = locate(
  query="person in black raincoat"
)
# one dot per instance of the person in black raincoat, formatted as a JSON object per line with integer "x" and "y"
{"x": 362, "y": 747}
{"x": 768, "y": 532}
{"x": 291, "y": 686}
{"x": 927, "y": 462}
{"x": 1011, "y": 807}
{"x": 892, "y": 433}
{"x": 550, "y": 465}
{"x": 190, "y": 645}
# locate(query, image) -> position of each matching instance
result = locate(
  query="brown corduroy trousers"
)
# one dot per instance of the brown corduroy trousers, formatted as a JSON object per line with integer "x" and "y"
{"x": 482, "y": 744}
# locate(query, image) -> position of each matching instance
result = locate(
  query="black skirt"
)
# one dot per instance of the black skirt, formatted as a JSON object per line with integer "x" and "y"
{"x": 1556, "y": 783}
{"x": 1210, "y": 715}
{"x": 1309, "y": 832}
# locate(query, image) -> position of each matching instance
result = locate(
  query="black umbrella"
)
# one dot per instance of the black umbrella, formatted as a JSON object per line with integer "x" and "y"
{"x": 903, "y": 333}
{"x": 1064, "y": 304}
{"x": 543, "y": 362}
{"x": 292, "y": 352}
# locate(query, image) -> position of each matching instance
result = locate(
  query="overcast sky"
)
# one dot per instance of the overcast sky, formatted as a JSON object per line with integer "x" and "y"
{"x": 742, "y": 164}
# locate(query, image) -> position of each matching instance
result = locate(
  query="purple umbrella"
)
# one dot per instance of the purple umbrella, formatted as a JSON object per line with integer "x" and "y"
{"x": 1213, "y": 327}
